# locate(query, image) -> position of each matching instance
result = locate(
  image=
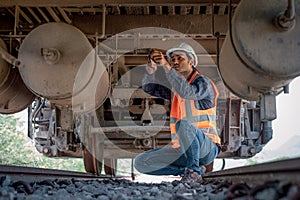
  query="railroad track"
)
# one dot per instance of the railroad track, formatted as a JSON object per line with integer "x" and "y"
{"x": 274, "y": 180}
{"x": 36, "y": 174}
{"x": 284, "y": 170}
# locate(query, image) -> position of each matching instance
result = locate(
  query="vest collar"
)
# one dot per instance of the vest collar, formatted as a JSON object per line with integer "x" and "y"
{"x": 192, "y": 75}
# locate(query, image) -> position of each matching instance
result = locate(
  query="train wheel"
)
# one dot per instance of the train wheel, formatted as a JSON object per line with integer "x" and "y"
{"x": 91, "y": 164}
{"x": 110, "y": 166}
{"x": 92, "y": 146}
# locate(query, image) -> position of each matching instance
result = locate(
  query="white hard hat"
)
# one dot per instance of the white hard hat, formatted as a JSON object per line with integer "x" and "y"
{"x": 185, "y": 48}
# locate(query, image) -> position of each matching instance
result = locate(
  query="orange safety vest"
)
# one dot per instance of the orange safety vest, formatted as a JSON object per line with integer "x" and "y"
{"x": 202, "y": 119}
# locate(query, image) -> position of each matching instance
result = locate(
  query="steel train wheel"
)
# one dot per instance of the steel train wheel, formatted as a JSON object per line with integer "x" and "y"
{"x": 91, "y": 164}
{"x": 110, "y": 166}
{"x": 94, "y": 166}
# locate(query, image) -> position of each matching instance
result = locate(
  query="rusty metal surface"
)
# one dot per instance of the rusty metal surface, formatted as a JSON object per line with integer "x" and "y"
{"x": 190, "y": 24}
{"x": 132, "y": 129}
{"x": 4, "y": 68}
{"x": 284, "y": 170}
{"x": 14, "y": 95}
{"x": 9, "y": 58}
{"x": 199, "y": 17}
{"x": 91, "y": 164}
{"x": 31, "y": 173}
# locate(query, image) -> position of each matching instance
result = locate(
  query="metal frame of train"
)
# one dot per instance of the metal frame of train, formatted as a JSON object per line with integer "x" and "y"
{"x": 78, "y": 65}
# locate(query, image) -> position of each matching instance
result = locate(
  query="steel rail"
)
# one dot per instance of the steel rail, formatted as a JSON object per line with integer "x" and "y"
{"x": 284, "y": 170}
{"x": 35, "y": 174}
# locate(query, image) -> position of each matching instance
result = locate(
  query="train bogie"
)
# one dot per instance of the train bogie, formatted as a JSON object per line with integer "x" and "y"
{"x": 80, "y": 64}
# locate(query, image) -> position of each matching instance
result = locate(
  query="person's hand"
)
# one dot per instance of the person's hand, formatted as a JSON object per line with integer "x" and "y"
{"x": 158, "y": 58}
{"x": 151, "y": 67}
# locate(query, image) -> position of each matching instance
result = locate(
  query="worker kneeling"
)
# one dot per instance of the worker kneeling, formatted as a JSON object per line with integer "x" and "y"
{"x": 195, "y": 141}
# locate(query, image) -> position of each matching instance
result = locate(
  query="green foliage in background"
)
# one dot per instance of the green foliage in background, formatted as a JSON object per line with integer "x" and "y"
{"x": 17, "y": 149}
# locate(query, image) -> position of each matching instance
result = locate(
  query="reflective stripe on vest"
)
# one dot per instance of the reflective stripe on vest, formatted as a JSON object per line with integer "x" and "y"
{"x": 202, "y": 119}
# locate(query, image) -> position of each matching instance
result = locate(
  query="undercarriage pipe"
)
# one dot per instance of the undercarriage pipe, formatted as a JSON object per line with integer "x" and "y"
{"x": 286, "y": 20}
{"x": 9, "y": 58}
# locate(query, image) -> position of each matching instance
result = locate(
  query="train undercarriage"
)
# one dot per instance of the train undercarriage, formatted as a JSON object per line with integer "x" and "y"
{"x": 78, "y": 66}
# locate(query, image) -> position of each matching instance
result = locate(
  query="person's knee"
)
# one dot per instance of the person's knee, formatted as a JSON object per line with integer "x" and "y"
{"x": 139, "y": 163}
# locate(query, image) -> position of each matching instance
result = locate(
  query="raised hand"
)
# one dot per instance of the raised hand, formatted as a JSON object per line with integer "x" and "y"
{"x": 158, "y": 58}
{"x": 151, "y": 67}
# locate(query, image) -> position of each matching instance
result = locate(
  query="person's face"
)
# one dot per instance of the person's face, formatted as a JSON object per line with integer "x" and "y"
{"x": 181, "y": 63}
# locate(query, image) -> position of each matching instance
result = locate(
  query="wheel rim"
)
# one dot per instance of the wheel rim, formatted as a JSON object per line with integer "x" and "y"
{"x": 91, "y": 164}
{"x": 110, "y": 166}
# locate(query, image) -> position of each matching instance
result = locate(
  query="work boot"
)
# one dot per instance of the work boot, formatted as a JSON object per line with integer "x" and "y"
{"x": 191, "y": 176}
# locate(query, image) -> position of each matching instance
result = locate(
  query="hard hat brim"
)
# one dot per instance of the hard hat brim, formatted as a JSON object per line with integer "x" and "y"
{"x": 170, "y": 51}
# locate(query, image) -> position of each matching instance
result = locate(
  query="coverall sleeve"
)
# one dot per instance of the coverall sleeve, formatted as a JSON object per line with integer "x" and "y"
{"x": 152, "y": 87}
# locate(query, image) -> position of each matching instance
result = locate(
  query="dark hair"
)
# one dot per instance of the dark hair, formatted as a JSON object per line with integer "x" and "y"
{"x": 189, "y": 57}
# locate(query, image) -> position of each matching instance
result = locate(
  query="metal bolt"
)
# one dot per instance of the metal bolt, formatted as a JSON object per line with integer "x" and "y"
{"x": 51, "y": 55}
